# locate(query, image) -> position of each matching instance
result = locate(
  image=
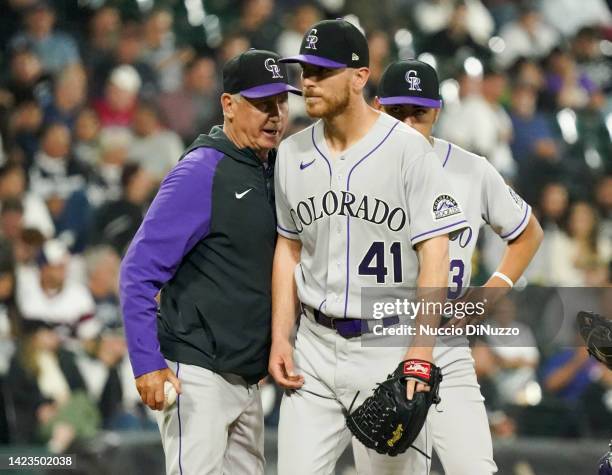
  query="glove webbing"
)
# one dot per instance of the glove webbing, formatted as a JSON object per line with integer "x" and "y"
{"x": 373, "y": 401}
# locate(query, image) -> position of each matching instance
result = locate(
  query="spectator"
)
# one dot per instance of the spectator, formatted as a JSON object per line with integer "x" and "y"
{"x": 161, "y": 51}
{"x": 568, "y": 373}
{"x": 24, "y": 124}
{"x": 11, "y": 220}
{"x": 102, "y": 267}
{"x": 48, "y": 391}
{"x": 553, "y": 206}
{"x": 56, "y": 50}
{"x": 117, "y": 106}
{"x": 580, "y": 256}
{"x": 35, "y": 212}
{"x": 116, "y": 222}
{"x": 194, "y": 108}
{"x": 108, "y": 377}
{"x": 534, "y": 144}
{"x": 529, "y": 73}
{"x": 233, "y": 44}
{"x": 45, "y": 293}
{"x": 533, "y": 136}
{"x": 568, "y": 16}
{"x": 380, "y": 49}
{"x": 105, "y": 183}
{"x": 603, "y": 201}
{"x": 28, "y": 247}
{"x": 571, "y": 88}
{"x": 104, "y": 30}
{"x": 590, "y": 59}
{"x": 432, "y": 17}
{"x": 455, "y": 39}
{"x": 9, "y": 317}
{"x": 55, "y": 172}
{"x": 516, "y": 356}
{"x": 298, "y": 21}
{"x": 527, "y": 37}
{"x": 154, "y": 147}
{"x": 129, "y": 50}
{"x": 27, "y": 81}
{"x": 253, "y": 16}
{"x": 86, "y": 138}
{"x": 70, "y": 93}
{"x": 480, "y": 124}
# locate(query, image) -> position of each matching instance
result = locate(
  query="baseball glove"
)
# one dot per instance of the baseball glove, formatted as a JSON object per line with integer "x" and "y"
{"x": 387, "y": 421}
{"x": 596, "y": 330}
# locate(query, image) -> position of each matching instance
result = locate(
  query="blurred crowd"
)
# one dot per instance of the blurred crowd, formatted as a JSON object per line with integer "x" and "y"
{"x": 98, "y": 99}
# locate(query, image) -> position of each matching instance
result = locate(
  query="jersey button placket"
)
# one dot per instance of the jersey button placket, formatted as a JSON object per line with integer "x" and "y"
{"x": 337, "y": 246}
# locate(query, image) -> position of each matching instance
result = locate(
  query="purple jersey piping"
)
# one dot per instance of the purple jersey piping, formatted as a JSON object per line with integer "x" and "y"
{"x": 447, "y": 155}
{"x": 348, "y": 220}
{"x": 321, "y": 153}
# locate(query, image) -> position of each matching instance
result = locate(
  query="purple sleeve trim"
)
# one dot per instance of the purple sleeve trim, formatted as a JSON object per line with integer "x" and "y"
{"x": 520, "y": 226}
{"x": 286, "y": 230}
{"x": 176, "y": 220}
{"x": 438, "y": 229}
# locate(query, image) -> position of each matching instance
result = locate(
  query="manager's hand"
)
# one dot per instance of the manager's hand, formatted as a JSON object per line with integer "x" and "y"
{"x": 151, "y": 387}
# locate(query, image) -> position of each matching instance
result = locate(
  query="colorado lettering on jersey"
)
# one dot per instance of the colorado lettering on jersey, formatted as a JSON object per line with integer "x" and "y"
{"x": 345, "y": 203}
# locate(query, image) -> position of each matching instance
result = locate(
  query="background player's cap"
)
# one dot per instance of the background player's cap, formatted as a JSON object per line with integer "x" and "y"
{"x": 255, "y": 74}
{"x": 410, "y": 82}
{"x": 333, "y": 44}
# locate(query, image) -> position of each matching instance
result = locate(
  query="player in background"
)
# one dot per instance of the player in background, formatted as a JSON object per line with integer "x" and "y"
{"x": 409, "y": 91}
{"x": 361, "y": 202}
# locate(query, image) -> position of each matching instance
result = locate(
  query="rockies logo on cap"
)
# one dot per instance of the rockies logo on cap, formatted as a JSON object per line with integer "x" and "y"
{"x": 413, "y": 80}
{"x": 271, "y": 66}
{"x": 311, "y": 39}
{"x": 249, "y": 74}
{"x": 410, "y": 82}
{"x": 333, "y": 44}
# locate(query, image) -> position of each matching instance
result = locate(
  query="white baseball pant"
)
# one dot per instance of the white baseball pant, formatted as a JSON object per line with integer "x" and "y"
{"x": 312, "y": 430}
{"x": 458, "y": 428}
{"x": 215, "y": 427}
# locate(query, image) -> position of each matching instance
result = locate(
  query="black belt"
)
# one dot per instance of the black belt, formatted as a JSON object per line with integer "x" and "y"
{"x": 352, "y": 327}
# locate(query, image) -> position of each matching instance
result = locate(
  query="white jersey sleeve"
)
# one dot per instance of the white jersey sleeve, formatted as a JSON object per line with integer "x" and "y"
{"x": 285, "y": 226}
{"x": 433, "y": 208}
{"x": 505, "y": 211}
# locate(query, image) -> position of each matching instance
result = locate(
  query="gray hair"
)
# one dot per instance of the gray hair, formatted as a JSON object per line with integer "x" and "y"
{"x": 95, "y": 255}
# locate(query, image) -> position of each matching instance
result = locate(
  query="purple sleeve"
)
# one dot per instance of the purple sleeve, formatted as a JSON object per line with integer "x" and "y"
{"x": 176, "y": 220}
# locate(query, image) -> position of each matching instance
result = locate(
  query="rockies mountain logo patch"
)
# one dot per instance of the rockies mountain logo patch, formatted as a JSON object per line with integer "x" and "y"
{"x": 517, "y": 199}
{"x": 445, "y": 206}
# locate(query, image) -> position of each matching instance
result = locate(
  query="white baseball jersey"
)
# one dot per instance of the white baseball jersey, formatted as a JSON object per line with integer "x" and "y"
{"x": 359, "y": 215}
{"x": 485, "y": 198}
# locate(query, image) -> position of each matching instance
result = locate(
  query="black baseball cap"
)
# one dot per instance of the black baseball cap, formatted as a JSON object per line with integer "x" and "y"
{"x": 256, "y": 73}
{"x": 410, "y": 82}
{"x": 333, "y": 44}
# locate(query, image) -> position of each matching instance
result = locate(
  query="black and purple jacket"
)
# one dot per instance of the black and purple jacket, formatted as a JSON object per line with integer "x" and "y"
{"x": 207, "y": 242}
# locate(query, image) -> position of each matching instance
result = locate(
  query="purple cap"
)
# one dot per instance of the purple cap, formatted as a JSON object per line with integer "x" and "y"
{"x": 267, "y": 90}
{"x": 333, "y": 44}
{"x": 256, "y": 74}
{"x": 314, "y": 60}
{"x": 417, "y": 101}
